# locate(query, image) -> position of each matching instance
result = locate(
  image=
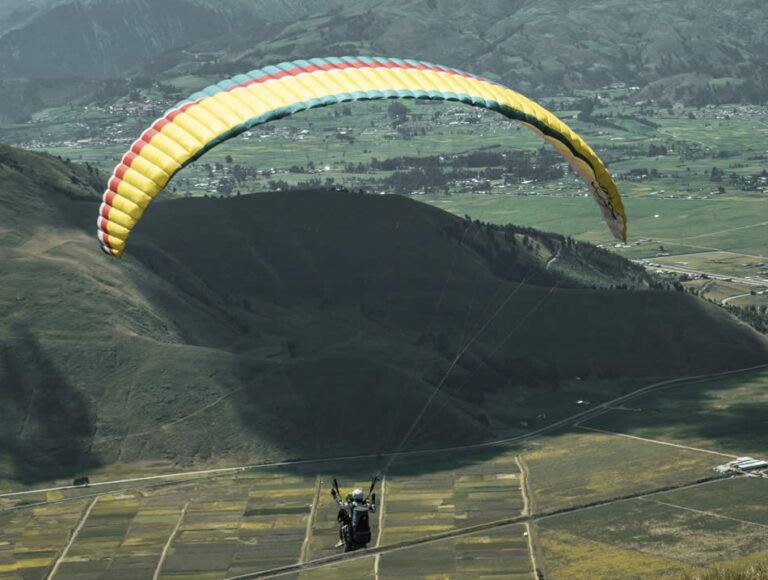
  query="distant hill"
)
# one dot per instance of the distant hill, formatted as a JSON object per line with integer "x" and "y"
{"x": 696, "y": 50}
{"x": 256, "y": 327}
{"x": 539, "y": 46}
{"x": 112, "y": 38}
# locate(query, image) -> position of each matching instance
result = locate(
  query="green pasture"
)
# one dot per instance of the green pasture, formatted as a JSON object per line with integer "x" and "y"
{"x": 726, "y": 415}
{"x": 32, "y": 538}
{"x": 362, "y": 568}
{"x": 738, "y": 498}
{"x": 502, "y": 552}
{"x": 718, "y": 290}
{"x": 448, "y": 499}
{"x": 568, "y": 555}
{"x": 718, "y": 262}
{"x": 258, "y": 520}
{"x": 664, "y": 533}
{"x": 580, "y": 469}
{"x": 658, "y": 526}
{"x": 680, "y": 207}
{"x": 691, "y": 225}
{"x": 498, "y": 552}
{"x": 230, "y": 525}
{"x": 750, "y": 300}
{"x": 727, "y": 237}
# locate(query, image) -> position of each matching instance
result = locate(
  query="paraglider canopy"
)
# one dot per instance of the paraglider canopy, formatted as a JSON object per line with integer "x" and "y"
{"x": 230, "y": 107}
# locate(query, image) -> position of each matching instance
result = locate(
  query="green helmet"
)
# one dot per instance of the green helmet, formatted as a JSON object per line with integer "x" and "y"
{"x": 348, "y": 496}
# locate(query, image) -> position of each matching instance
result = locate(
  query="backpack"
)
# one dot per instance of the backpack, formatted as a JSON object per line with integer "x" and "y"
{"x": 361, "y": 530}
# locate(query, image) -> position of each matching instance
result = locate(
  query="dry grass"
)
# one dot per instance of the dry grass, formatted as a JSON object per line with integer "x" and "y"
{"x": 569, "y": 556}
{"x": 750, "y": 571}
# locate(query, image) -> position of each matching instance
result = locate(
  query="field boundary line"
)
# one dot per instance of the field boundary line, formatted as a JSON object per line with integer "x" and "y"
{"x": 164, "y": 553}
{"x": 706, "y": 513}
{"x": 710, "y": 248}
{"x": 310, "y": 521}
{"x": 380, "y": 507}
{"x": 524, "y": 489}
{"x": 657, "y": 441}
{"x": 534, "y": 567}
{"x": 453, "y": 534}
{"x": 529, "y": 508}
{"x": 72, "y": 539}
{"x": 629, "y": 497}
{"x": 372, "y": 552}
{"x": 707, "y": 234}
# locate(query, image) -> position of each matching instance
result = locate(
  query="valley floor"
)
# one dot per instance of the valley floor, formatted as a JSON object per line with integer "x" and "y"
{"x": 621, "y": 493}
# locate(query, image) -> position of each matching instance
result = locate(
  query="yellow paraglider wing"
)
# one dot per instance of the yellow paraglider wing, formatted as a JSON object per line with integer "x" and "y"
{"x": 228, "y": 108}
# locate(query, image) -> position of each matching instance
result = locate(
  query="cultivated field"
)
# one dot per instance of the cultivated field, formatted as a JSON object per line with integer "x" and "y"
{"x": 621, "y": 501}
{"x": 259, "y": 520}
{"x": 702, "y": 525}
{"x": 693, "y": 179}
{"x": 726, "y": 415}
{"x": 583, "y": 468}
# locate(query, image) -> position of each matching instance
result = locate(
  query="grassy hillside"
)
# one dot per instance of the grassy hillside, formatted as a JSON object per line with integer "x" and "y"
{"x": 248, "y": 328}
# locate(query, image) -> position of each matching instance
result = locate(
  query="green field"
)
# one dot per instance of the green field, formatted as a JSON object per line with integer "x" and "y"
{"x": 503, "y": 551}
{"x": 261, "y": 519}
{"x": 571, "y": 556}
{"x": 258, "y": 520}
{"x": 725, "y": 415}
{"x": 675, "y": 204}
{"x": 583, "y": 468}
{"x": 662, "y": 533}
{"x": 696, "y": 526}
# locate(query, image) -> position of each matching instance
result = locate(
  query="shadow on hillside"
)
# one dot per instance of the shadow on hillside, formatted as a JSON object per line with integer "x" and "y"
{"x": 330, "y": 421}
{"x": 347, "y": 405}
{"x": 413, "y": 464}
{"x": 47, "y": 424}
{"x": 359, "y": 320}
{"x": 743, "y": 426}
{"x": 694, "y": 413}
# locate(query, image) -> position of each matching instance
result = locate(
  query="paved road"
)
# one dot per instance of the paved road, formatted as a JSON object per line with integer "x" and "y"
{"x": 685, "y": 270}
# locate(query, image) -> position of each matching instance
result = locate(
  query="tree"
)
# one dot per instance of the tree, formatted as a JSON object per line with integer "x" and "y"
{"x": 587, "y": 108}
{"x": 398, "y": 111}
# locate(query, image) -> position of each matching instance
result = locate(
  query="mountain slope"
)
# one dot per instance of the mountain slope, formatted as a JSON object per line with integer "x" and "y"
{"x": 54, "y": 53}
{"x": 254, "y": 328}
{"x": 544, "y": 45}
{"x": 110, "y": 38}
